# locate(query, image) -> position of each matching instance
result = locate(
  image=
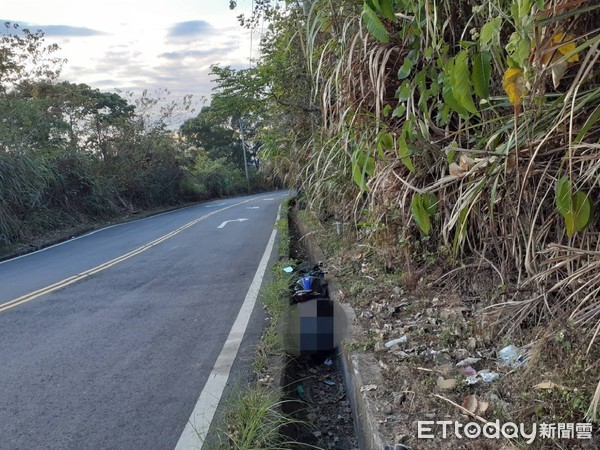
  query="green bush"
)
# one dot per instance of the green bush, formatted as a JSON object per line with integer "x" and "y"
{"x": 213, "y": 178}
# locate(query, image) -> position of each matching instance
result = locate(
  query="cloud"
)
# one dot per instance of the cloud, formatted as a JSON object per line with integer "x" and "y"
{"x": 197, "y": 54}
{"x": 69, "y": 31}
{"x": 56, "y": 30}
{"x": 191, "y": 28}
{"x": 107, "y": 83}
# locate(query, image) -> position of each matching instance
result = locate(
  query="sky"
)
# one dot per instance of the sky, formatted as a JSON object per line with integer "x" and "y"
{"x": 137, "y": 45}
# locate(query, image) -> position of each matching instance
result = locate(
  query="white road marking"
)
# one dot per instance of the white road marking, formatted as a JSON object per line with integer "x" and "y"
{"x": 252, "y": 207}
{"x": 268, "y": 199}
{"x": 228, "y": 221}
{"x": 197, "y": 427}
{"x": 98, "y": 231}
{"x": 75, "y": 278}
{"x": 214, "y": 206}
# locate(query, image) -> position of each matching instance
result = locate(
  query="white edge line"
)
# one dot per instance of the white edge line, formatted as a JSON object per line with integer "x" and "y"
{"x": 5, "y": 306}
{"x": 94, "y": 232}
{"x": 201, "y": 418}
{"x": 104, "y": 229}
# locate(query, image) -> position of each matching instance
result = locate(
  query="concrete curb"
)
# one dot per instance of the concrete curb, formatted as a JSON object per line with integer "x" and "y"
{"x": 358, "y": 368}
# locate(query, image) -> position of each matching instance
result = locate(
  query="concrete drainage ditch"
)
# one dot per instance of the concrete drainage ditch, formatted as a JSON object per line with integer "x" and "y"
{"x": 314, "y": 393}
{"x": 314, "y": 388}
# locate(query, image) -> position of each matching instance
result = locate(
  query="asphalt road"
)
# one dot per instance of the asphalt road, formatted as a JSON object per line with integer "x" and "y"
{"x": 117, "y": 356}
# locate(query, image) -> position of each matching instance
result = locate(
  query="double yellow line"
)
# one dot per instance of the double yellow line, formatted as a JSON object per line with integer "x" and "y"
{"x": 75, "y": 278}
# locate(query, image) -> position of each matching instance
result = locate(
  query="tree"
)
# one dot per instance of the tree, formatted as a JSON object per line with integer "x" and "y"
{"x": 25, "y": 56}
{"x": 217, "y": 137}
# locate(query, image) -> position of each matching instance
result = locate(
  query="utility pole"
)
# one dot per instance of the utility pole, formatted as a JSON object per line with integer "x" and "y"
{"x": 244, "y": 153}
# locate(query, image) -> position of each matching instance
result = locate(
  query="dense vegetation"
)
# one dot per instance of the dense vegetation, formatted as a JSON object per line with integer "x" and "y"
{"x": 467, "y": 132}
{"x": 71, "y": 154}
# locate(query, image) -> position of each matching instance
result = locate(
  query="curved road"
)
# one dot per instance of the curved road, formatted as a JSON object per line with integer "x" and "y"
{"x": 109, "y": 340}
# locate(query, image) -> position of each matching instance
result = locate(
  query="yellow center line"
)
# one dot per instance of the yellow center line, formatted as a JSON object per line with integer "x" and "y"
{"x": 75, "y": 278}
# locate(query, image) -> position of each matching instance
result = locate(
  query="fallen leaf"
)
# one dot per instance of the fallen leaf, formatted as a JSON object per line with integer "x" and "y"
{"x": 558, "y": 70}
{"x": 471, "y": 403}
{"x": 465, "y": 162}
{"x": 482, "y": 407}
{"x": 446, "y": 385}
{"x": 549, "y": 385}
{"x": 456, "y": 170}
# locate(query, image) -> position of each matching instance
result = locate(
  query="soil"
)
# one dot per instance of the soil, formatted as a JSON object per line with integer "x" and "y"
{"x": 447, "y": 337}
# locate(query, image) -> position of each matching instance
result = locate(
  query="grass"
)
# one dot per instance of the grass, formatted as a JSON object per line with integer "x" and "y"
{"x": 256, "y": 421}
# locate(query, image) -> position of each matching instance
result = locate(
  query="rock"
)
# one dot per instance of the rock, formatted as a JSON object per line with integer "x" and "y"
{"x": 387, "y": 409}
{"x": 368, "y": 314}
{"x": 398, "y": 290}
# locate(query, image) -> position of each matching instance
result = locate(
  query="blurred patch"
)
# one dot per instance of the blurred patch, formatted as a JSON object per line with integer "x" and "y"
{"x": 314, "y": 326}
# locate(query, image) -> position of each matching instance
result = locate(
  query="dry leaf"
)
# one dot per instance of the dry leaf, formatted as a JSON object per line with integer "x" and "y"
{"x": 558, "y": 71}
{"x": 482, "y": 407}
{"x": 446, "y": 385}
{"x": 456, "y": 170}
{"x": 465, "y": 162}
{"x": 511, "y": 161}
{"x": 549, "y": 385}
{"x": 471, "y": 403}
{"x": 513, "y": 83}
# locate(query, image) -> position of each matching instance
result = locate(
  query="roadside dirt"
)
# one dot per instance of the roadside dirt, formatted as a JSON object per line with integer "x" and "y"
{"x": 443, "y": 356}
{"x": 315, "y": 394}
